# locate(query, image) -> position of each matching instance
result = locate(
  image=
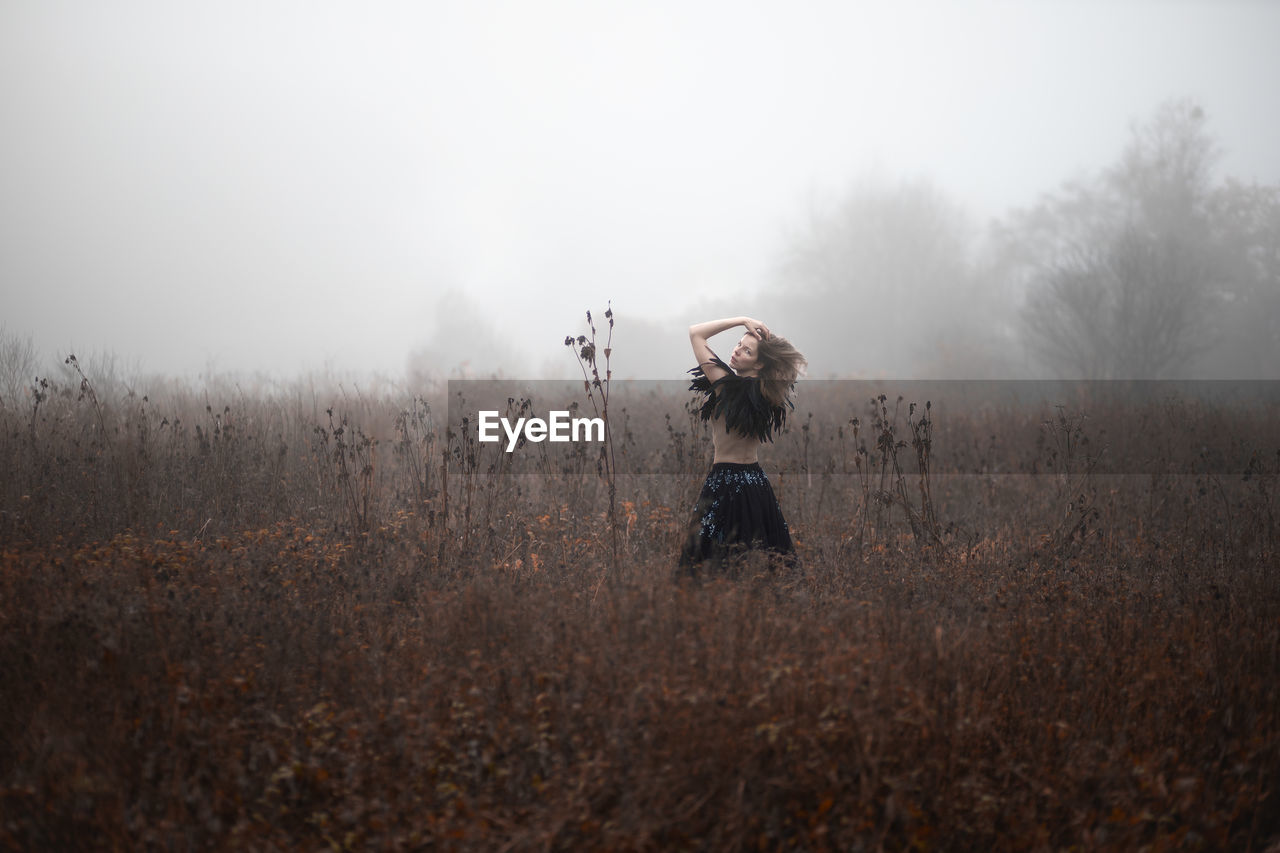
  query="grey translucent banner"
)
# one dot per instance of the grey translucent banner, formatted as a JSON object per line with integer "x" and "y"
{"x": 845, "y": 426}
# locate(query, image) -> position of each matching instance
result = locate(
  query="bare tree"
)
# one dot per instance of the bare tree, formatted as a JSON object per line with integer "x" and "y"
{"x": 1123, "y": 272}
{"x": 884, "y": 282}
{"x": 17, "y": 367}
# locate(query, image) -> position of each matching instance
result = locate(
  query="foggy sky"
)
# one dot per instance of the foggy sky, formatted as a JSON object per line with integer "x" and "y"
{"x": 290, "y": 186}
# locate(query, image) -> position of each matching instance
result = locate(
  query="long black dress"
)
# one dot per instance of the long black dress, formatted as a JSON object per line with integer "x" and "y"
{"x": 737, "y": 510}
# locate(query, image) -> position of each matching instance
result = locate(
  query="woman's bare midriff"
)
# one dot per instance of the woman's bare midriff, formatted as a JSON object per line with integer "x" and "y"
{"x": 733, "y": 447}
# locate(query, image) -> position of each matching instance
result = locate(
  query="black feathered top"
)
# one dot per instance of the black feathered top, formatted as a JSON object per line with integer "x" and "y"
{"x": 740, "y": 401}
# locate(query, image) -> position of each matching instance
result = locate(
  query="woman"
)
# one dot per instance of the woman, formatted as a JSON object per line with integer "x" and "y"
{"x": 746, "y": 400}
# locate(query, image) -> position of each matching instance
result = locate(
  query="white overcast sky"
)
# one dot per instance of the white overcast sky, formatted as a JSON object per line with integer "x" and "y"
{"x": 281, "y": 186}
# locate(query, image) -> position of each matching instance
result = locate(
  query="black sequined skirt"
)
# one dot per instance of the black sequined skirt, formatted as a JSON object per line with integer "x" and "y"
{"x": 736, "y": 512}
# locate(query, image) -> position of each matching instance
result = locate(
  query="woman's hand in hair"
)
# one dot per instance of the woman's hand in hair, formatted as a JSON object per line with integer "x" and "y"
{"x": 755, "y": 327}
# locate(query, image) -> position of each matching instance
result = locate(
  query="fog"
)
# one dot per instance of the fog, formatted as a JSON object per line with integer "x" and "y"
{"x": 412, "y": 189}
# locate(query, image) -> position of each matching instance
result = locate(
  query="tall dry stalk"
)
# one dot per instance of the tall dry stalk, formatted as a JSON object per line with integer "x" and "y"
{"x": 597, "y": 391}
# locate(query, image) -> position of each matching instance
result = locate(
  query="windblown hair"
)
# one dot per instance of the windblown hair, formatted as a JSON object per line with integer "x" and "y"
{"x": 781, "y": 364}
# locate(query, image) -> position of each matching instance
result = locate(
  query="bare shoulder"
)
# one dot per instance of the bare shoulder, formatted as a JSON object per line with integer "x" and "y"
{"x": 710, "y": 364}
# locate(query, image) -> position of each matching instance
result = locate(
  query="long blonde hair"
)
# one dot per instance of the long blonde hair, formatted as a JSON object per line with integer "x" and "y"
{"x": 781, "y": 364}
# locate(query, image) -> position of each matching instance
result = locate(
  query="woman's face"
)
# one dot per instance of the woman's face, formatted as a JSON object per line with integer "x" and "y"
{"x": 746, "y": 359}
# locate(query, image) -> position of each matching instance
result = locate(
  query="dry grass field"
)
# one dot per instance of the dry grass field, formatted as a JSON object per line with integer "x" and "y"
{"x": 307, "y": 619}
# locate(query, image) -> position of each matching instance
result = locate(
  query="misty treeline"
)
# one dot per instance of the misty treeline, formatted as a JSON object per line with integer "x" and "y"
{"x": 1152, "y": 268}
